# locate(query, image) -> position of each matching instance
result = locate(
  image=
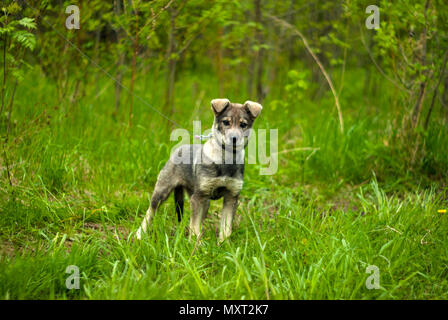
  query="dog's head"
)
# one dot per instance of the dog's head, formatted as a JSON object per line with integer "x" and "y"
{"x": 233, "y": 122}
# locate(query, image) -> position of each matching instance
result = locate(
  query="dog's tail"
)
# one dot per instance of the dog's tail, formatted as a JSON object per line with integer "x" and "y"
{"x": 179, "y": 202}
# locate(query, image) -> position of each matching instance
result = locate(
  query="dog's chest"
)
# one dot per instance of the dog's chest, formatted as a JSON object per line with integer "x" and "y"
{"x": 215, "y": 186}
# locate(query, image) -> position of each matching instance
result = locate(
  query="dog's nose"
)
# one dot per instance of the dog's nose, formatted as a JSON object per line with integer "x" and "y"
{"x": 234, "y": 140}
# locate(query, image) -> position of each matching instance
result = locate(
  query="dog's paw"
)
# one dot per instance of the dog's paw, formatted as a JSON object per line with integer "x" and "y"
{"x": 138, "y": 234}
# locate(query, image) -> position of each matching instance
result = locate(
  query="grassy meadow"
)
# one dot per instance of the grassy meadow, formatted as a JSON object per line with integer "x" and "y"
{"x": 82, "y": 180}
{"x": 91, "y": 91}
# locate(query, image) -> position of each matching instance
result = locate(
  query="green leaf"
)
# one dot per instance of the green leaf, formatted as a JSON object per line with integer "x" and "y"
{"x": 25, "y": 38}
{"x": 27, "y": 23}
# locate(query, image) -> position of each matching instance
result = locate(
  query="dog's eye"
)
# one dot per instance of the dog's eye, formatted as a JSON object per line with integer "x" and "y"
{"x": 243, "y": 125}
{"x": 226, "y": 122}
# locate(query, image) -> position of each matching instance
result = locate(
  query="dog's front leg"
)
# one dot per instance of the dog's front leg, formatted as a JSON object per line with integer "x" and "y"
{"x": 228, "y": 212}
{"x": 146, "y": 221}
{"x": 199, "y": 209}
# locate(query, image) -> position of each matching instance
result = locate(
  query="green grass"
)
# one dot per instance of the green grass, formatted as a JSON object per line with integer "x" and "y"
{"x": 82, "y": 181}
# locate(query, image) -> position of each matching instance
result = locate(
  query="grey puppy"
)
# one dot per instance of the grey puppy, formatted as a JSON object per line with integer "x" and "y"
{"x": 209, "y": 171}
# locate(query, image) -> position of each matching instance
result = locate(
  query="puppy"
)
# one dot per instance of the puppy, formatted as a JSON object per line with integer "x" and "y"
{"x": 209, "y": 171}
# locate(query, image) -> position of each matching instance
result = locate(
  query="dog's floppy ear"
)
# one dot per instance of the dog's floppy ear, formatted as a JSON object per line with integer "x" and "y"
{"x": 254, "y": 108}
{"x": 218, "y": 105}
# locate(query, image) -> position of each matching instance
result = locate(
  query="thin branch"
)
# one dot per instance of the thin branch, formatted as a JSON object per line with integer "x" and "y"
{"x": 154, "y": 17}
{"x": 327, "y": 77}
{"x": 188, "y": 43}
{"x": 5, "y": 40}
{"x": 378, "y": 67}
{"x": 436, "y": 90}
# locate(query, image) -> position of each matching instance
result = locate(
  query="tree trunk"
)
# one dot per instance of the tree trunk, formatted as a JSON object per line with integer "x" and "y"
{"x": 290, "y": 41}
{"x": 97, "y": 53}
{"x": 219, "y": 63}
{"x": 421, "y": 96}
{"x": 436, "y": 90}
{"x": 134, "y": 63}
{"x": 250, "y": 66}
{"x": 131, "y": 93}
{"x": 259, "y": 54}
{"x": 171, "y": 75}
{"x": 121, "y": 57}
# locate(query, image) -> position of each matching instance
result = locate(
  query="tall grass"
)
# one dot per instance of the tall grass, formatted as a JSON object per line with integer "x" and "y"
{"x": 82, "y": 181}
